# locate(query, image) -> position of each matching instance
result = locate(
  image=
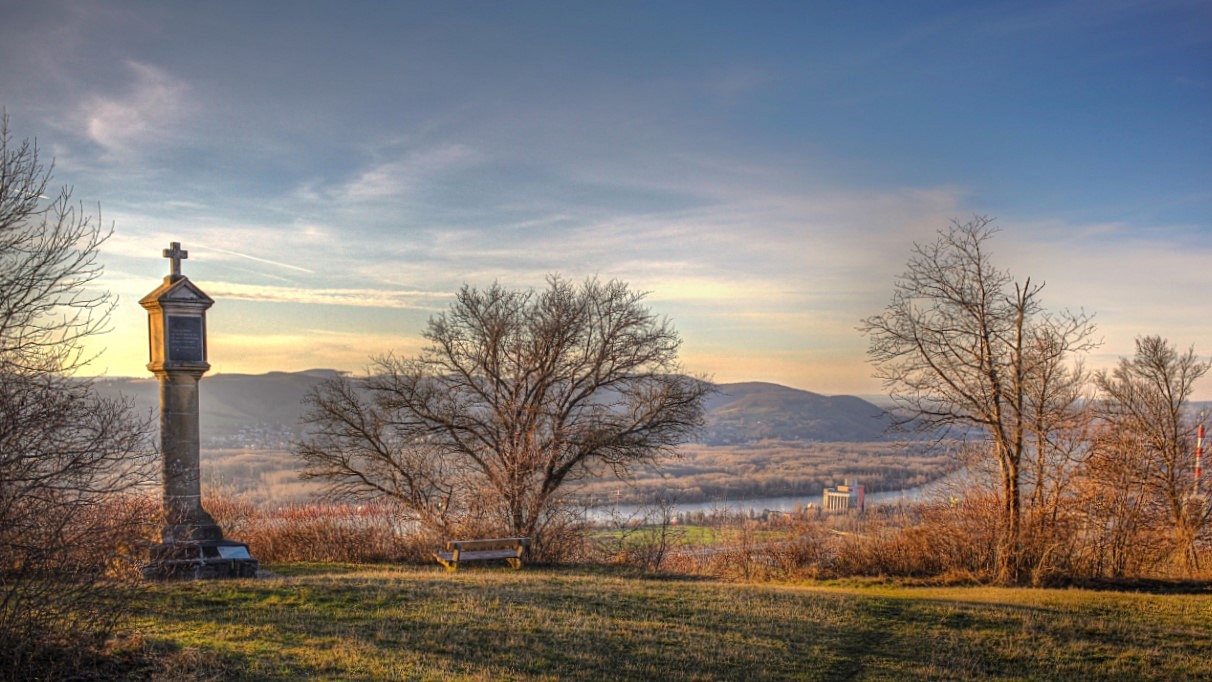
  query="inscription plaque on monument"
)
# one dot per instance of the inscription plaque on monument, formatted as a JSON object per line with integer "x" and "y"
{"x": 185, "y": 339}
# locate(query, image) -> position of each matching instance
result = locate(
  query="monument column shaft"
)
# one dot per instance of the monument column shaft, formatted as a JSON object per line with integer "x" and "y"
{"x": 181, "y": 447}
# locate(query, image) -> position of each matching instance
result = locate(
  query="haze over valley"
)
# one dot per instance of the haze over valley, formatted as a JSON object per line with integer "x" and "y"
{"x": 760, "y": 440}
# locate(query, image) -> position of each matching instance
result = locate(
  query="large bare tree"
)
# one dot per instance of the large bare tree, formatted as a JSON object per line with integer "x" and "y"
{"x": 66, "y": 455}
{"x": 965, "y": 348}
{"x": 1144, "y": 403}
{"x": 517, "y": 393}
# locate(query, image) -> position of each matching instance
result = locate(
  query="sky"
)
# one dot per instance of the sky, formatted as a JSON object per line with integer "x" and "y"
{"x": 337, "y": 170}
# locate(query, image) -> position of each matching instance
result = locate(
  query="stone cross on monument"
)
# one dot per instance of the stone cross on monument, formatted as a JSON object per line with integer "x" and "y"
{"x": 192, "y": 544}
{"x": 175, "y": 253}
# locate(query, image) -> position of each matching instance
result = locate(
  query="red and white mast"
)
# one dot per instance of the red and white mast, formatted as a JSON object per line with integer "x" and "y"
{"x": 1199, "y": 454}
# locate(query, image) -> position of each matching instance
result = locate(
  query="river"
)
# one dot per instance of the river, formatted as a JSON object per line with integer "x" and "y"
{"x": 758, "y": 505}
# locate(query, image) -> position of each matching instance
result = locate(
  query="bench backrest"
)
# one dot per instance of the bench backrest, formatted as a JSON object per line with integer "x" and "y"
{"x": 491, "y": 543}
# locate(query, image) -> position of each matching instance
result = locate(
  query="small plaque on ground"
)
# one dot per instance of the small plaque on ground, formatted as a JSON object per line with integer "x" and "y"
{"x": 233, "y": 552}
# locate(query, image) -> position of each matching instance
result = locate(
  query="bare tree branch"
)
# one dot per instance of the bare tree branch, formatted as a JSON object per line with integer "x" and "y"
{"x": 517, "y": 393}
{"x": 1144, "y": 402}
{"x": 965, "y": 349}
{"x": 67, "y": 456}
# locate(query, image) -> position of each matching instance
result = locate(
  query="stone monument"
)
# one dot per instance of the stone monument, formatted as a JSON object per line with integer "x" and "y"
{"x": 192, "y": 544}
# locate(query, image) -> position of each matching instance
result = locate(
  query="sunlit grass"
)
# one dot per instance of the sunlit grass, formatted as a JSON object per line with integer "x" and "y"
{"x": 420, "y": 623}
{"x": 694, "y": 535}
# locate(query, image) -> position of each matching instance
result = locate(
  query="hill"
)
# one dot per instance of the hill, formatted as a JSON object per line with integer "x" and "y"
{"x": 237, "y": 410}
{"x": 754, "y": 411}
{"x": 265, "y": 410}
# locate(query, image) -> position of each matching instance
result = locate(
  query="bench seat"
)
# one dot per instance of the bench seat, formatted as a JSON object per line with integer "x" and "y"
{"x": 491, "y": 549}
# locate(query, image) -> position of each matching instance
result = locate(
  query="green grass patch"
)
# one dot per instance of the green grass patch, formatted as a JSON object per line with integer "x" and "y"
{"x": 368, "y": 623}
{"x": 689, "y": 535}
{"x": 301, "y": 568}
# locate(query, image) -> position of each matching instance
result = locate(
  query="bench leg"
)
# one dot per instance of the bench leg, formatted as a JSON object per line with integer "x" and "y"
{"x": 514, "y": 563}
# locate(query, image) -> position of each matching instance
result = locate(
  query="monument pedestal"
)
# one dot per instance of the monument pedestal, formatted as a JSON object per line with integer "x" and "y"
{"x": 192, "y": 544}
{"x": 200, "y": 560}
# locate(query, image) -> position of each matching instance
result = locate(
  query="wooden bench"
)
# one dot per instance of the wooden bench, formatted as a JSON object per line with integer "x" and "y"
{"x": 509, "y": 549}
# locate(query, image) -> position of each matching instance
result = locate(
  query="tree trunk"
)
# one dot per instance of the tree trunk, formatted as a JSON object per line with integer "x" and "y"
{"x": 1009, "y": 560}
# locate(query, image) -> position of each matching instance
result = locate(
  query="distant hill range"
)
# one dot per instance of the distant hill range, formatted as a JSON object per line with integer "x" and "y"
{"x": 236, "y": 410}
{"x": 753, "y": 411}
{"x": 265, "y": 410}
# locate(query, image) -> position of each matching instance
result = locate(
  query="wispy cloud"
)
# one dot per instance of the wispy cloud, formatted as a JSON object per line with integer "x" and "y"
{"x": 142, "y": 113}
{"x": 367, "y": 298}
{"x": 399, "y": 177}
{"x": 767, "y": 189}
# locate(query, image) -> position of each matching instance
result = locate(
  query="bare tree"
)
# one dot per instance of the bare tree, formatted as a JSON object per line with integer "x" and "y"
{"x": 1121, "y": 535}
{"x": 1144, "y": 400}
{"x": 964, "y": 348}
{"x": 66, "y": 455}
{"x": 48, "y": 250}
{"x": 1058, "y": 442}
{"x": 517, "y": 393}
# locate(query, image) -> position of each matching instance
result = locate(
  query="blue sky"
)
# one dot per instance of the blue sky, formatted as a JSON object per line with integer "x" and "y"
{"x": 337, "y": 170}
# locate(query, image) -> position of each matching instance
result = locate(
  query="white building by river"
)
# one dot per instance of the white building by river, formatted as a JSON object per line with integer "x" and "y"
{"x": 844, "y": 498}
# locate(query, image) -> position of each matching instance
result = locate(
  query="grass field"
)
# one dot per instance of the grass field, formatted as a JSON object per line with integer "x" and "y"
{"x": 367, "y": 623}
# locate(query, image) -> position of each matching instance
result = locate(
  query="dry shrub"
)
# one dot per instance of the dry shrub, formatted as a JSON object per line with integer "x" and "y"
{"x": 952, "y": 541}
{"x": 65, "y": 574}
{"x": 375, "y": 533}
{"x": 745, "y": 564}
{"x": 643, "y": 539}
{"x": 335, "y": 532}
{"x": 649, "y": 548}
{"x": 953, "y": 538}
{"x": 809, "y": 556}
{"x": 1052, "y": 547}
{"x": 562, "y": 536}
{"x": 743, "y": 555}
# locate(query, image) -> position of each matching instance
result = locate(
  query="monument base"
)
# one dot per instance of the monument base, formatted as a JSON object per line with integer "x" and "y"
{"x": 202, "y": 560}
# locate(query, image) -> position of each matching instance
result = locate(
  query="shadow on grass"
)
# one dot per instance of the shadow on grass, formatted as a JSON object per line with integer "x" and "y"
{"x": 389, "y": 622}
{"x": 566, "y": 625}
{"x": 1145, "y": 586}
{"x": 302, "y": 568}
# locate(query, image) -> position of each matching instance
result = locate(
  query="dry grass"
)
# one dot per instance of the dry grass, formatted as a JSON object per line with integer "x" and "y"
{"x": 943, "y": 542}
{"x": 350, "y": 533}
{"x": 361, "y": 623}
